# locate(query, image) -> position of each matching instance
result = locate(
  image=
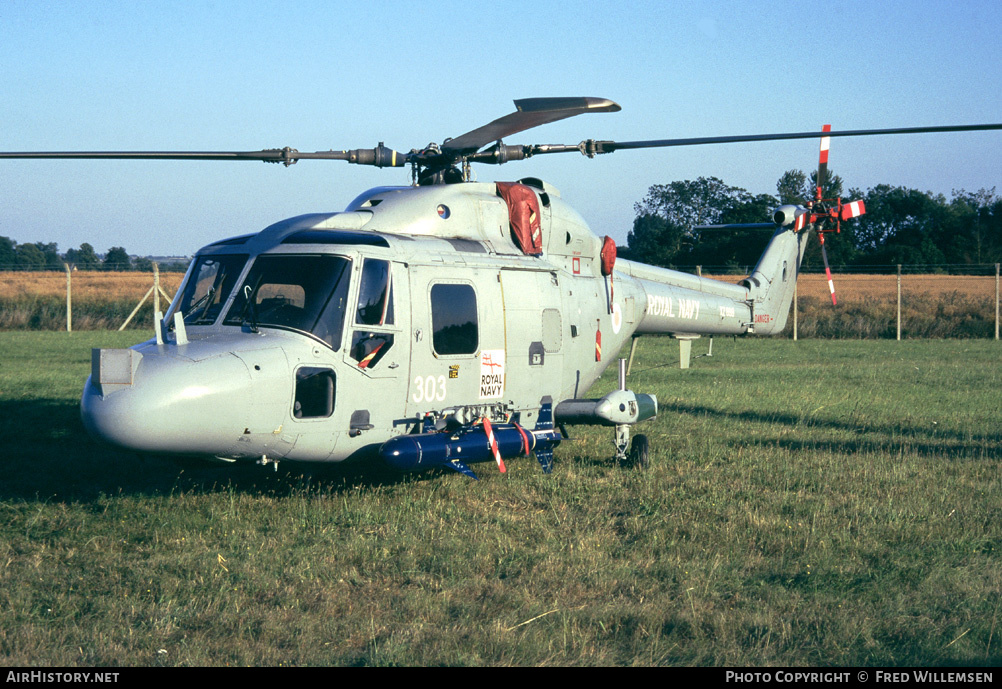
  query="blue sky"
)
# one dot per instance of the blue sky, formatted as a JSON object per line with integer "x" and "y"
{"x": 319, "y": 75}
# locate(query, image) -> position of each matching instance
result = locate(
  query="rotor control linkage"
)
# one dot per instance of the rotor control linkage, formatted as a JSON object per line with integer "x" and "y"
{"x": 380, "y": 156}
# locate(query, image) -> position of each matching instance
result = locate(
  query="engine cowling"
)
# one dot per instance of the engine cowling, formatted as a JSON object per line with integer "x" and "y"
{"x": 786, "y": 214}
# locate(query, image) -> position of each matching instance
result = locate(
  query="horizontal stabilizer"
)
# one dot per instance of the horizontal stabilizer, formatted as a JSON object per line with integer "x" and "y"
{"x": 738, "y": 226}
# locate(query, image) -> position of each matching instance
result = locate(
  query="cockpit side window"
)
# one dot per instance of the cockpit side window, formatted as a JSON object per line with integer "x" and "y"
{"x": 375, "y": 294}
{"x": 209, "y": 282}
{"x": 369, "y": 342}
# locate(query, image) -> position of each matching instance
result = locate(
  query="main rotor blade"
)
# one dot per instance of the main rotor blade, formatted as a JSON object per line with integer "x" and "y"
{"x": 531, "y": 112}
{"x": 379, "y": 156}
{"x": 275, "y": 155}
{"x": 610, "y": 146}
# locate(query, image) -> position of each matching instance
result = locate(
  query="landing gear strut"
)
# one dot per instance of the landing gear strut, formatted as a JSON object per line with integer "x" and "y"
{"x": 622, "y": 441}
{"x": 639, "y": 448}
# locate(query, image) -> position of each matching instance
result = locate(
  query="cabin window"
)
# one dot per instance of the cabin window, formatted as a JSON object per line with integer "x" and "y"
{"x": 375, "y": 294}
{"x": 315, "y": 393}
{"x": 305, "y": 293}
{"x": 455, "y": 328}
{"x": 209, "y": 282}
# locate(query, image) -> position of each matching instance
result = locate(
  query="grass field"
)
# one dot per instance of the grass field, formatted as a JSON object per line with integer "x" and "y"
{"x": 807, "y": 503}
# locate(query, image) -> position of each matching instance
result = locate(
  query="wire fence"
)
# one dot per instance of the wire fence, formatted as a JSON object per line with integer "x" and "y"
{"x": 888, "y": 302}
{"x": 67, "y": 299}
{"x": 917, "y": 301}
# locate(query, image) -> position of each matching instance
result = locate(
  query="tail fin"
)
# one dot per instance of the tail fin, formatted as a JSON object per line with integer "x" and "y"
{"x": 772, "y": 283}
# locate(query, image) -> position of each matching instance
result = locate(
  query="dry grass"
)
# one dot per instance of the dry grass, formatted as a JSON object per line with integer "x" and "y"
{"x": 850, "y": 287}
{"x": 101, "y": 300}
{"x": 86, "y": 284}
{"x": 883, "y": 288}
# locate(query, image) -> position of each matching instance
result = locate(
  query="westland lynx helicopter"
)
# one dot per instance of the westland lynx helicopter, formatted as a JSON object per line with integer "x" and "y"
{"x": 444, "y": 323}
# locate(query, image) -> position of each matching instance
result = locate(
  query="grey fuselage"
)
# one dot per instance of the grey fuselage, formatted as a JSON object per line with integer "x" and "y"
{"x": 326, "y": 335}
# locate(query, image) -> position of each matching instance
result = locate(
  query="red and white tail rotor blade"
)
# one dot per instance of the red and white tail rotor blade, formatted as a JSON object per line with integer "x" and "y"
{"x": 853, "y": 210}
{"x": 828, "y": 271}
{"x": 823, "y": 162}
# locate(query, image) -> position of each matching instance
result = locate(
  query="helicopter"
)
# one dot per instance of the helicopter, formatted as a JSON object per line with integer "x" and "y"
{"x": 441, "y": 324}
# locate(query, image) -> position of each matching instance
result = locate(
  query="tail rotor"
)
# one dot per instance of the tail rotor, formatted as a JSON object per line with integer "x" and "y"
{"x": 827, "y": 215}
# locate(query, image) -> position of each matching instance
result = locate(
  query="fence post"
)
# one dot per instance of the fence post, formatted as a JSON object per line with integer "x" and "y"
{"x": 795, "y": 281}
{"x": 69, "y": 303}
{"x": 996, "y": 301}
{"x": 156, "y": 289}
{"x": 899, "y": 301}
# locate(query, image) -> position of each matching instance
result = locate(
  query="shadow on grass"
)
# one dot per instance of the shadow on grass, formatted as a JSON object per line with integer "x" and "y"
{"x": 924, "y": 441}
{"x": 51, "y": 457}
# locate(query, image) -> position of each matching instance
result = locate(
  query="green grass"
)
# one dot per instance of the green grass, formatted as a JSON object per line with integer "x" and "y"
{"x": 807, "y": 503}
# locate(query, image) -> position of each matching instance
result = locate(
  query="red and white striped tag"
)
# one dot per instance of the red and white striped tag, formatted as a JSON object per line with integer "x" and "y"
{"x": 494, "y": 445}
{"x": 364, "y": 363}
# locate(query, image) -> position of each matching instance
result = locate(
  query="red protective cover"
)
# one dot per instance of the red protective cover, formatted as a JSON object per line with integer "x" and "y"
{"x": 608, "y": 255}
{"x": 523, "y": 214}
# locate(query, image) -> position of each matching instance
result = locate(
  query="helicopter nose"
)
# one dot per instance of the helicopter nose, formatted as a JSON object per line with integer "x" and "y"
{"x": 176, "y": 404}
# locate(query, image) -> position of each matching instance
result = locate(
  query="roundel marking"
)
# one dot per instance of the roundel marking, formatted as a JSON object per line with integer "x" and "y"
{"x": 617, "y": 318}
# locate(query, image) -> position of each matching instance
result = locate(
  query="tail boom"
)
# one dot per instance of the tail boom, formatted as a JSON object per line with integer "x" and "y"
{"x": 682, "y": 303}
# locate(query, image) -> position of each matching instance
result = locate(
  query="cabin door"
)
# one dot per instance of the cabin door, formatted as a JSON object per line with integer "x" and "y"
{"x": 533, "y": 335}
{"x": 457, "y": 339}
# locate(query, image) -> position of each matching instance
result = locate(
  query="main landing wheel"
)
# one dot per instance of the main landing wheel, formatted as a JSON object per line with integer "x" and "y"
{"x": 639, "y": 451}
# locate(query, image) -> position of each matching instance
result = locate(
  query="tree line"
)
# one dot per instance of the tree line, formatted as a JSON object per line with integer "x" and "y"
{"x": 901, "y": 226}
{"x": 46, "y": 256}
